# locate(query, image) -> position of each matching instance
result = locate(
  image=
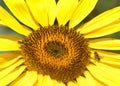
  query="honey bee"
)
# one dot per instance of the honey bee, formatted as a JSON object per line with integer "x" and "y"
{"x": 97, "y": 56}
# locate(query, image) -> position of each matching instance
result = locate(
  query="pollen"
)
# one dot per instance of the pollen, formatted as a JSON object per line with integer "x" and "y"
{"x": 57, "y": 51}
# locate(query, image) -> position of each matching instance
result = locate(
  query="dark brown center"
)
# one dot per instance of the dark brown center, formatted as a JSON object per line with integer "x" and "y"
{"x": 57, "y": 51}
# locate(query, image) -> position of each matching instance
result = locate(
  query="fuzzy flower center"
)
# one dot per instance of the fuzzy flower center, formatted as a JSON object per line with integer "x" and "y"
{"x": 57, "y": 51}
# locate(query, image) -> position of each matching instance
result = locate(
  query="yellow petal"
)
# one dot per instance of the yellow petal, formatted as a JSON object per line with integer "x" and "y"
{"x": 91, "y": 80}
{"x": 111, "y": 70}
{"x": 105, "y": 43}
{"x": 12, "y": 76}
{"x": 58, "y": 83}
{"x": 106, "y": 30}
{"x": 8, "y": 45}
{"x": 107, "y": 62}
{"x": 82, "y": 81}
{"x": 71, "y": 83}
{"x": 107, "y": 77}
{"x": 111, "y": 63}
{"x": 7, "y": 57}
{"x": 83, "y": 9}
{"x": 101, "y": 20}
{"x": 65, "y": 10}
{"x": 39, "y": 80}
{"x": 6, "y": 71}
{"x": 8, "y": 63}
{"x": 21, "y": 12}
{"x": 28, "y": 79}
{"x": 110, "y": 56}
{"x": 2, "y": 23}
{"x": 47, "y": 81}
{"x": 12, "y": 23}
{"x": 52, "y": 11}
{"x": 39, "y": 10}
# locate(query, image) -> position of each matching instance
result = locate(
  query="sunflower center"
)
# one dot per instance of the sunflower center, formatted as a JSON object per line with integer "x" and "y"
{"x": 57, "y": 51}
{"x": 55, "y": 48}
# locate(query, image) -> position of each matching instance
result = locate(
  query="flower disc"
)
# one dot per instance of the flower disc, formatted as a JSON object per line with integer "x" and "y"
{"x": 57, "y": 51}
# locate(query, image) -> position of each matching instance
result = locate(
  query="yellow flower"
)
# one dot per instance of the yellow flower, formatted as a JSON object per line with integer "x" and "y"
{"x": 52, "y": 52}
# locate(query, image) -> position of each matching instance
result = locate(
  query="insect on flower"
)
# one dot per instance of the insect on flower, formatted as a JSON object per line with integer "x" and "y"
{"x": 97, "y": 56}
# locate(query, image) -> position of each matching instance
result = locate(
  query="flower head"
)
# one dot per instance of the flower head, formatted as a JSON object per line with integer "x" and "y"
{"x": 52, "y": 52}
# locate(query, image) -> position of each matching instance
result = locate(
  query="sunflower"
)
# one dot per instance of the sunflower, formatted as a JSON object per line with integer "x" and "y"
{"x": 54, "y": 50}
